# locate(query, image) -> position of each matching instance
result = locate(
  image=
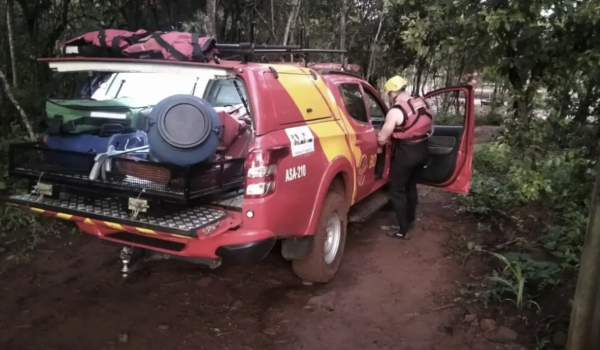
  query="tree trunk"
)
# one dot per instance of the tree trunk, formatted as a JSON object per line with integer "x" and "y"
{"x": 418, "y": 74}
{"x": 210, "y": 17}
{"x": 272, "y": 17}
{"x": 292, "y": 40}
{"x": 343, "y": 27}
{"x": 11, "y": 44}
{"x": 520, "y": 101}
{"x": 14, "y": 101}
{"x": 224, "y": 22}
{"x": 427, "y": 73}
{"x": 585, "y": 314}
{"x": 583, "y": 111}
{"x": 271, "y": 29}
{"x": 152, "y": 6}
{"x": 371, "y": 67}
{"x": 291, "y": 19}
{"x": 493, "y": 98}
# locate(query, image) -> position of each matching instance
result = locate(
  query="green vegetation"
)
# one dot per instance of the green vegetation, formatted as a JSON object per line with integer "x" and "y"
{"x": 537, "y": 60}
{"x": 537, "y": 202}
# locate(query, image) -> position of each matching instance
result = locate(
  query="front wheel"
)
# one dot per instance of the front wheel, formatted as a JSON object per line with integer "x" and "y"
{"x": 325, "y": 256}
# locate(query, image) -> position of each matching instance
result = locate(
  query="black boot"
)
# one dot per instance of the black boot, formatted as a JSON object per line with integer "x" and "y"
{"x": 399, "y": 235}
{"x": 402, "y": 233}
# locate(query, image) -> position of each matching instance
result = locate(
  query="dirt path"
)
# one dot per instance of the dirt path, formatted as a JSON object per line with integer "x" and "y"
{"x": 389, "y": 295}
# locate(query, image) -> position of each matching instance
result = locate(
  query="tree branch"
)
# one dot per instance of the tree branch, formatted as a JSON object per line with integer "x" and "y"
{"x": 60, "y": 28}
{"x": 271, "y": 32}
{"x": 14, "y": 101}
{"x": 11, "y": 45}
{"x": 373, "y": 47}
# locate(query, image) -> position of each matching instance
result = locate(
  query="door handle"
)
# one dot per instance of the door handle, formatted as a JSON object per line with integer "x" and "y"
{"x": 358, "y": 143}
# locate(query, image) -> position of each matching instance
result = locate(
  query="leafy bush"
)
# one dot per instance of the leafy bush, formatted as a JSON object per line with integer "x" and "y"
{"x": 548, "y": 176}
{"x": 504, "y": 179}
{"x": 492, "y": 117}
{"x": 519, "y": 279}
{"x": 490, "y": 191}
{"x": 482, "y": 117}
{"x": 565, "y": 239}
{"x": 449, "y": 119}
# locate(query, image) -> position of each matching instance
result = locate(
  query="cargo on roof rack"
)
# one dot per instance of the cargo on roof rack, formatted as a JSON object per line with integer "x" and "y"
{"x": 182, "y": 46}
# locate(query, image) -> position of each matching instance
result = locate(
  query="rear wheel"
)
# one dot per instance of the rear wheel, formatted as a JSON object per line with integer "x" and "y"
{"x": 325, "y": 256}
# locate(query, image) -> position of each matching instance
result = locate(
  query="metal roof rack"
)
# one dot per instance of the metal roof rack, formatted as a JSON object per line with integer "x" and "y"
{"x": 250, "y": 49}
{"x": 338, "y": 72}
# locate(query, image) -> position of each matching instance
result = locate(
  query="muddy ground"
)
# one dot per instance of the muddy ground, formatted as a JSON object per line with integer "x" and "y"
{"x": 389, "y": 294}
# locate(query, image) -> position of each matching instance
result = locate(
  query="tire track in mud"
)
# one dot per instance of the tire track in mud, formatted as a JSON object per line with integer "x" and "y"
{"x": 50, "y": 291}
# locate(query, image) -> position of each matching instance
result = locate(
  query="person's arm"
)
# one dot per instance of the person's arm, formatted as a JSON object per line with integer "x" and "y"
{"x": 393, "y": 118}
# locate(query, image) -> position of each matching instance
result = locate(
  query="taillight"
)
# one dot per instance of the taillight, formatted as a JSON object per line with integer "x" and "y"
{"x": 261, "y": 170}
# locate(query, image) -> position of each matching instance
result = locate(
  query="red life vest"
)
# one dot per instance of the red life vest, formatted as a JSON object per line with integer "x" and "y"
{"x": 418, "y": 120}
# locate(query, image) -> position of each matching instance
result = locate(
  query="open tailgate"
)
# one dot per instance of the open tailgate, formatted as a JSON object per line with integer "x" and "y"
{"x": 110, "y": 213}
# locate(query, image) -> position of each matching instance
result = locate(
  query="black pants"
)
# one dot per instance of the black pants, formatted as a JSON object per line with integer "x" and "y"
{"x": 408, "y": 160}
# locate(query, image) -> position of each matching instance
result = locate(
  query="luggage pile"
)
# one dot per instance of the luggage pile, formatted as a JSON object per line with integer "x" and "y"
{"x": 175, "y": 150}
{"x": 173, "y": 46}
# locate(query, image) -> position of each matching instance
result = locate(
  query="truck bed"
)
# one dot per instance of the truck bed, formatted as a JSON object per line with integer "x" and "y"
{"x": 129, "y": 176}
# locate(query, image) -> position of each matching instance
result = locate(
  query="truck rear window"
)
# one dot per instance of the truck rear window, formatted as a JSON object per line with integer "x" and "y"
{"x": 220, "y": 93}
{"x": 120, "y": 97}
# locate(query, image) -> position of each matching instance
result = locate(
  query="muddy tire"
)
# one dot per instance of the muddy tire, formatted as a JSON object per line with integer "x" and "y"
{"x": 325, "y": 256}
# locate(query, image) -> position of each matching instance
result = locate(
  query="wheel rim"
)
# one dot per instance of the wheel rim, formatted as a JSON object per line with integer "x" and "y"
{"x": 332, "y": 238}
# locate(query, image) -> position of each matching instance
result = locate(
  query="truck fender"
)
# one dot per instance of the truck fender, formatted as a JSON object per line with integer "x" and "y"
{"x": 300, "y": 247}
{"x": 338, "y": 166}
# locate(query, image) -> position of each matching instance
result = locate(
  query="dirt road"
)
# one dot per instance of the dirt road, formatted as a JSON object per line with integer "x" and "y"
{"x": 389, "y": 295}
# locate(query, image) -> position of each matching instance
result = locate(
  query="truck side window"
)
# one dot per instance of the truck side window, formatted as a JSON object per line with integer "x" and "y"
{"x": 377, "y": 113}
{"x": 354, "y": 102}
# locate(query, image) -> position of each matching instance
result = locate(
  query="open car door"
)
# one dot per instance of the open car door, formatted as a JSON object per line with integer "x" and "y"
{"x": 451, "y": 144}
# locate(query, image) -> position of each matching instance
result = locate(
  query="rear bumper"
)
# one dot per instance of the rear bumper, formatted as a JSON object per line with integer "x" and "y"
{"x": 218, "y": 236}
{"x": 231, "y": 245}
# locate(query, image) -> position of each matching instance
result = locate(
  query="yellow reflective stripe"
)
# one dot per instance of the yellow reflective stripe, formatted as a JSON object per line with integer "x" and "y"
{"x": 143, "y": 230}
{"x": 64, "y": 216}
{"x": 37, "y": 210}
{"x": 88, "y": 221}
{"x": 113, "y": 225}
{"x": 180, "y": 236}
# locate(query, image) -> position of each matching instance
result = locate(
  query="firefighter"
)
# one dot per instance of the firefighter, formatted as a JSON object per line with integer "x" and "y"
{"x": 409, "y": 122}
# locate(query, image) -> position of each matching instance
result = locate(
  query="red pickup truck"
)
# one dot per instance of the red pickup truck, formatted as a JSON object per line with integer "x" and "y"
{"x": 306, "y": 142}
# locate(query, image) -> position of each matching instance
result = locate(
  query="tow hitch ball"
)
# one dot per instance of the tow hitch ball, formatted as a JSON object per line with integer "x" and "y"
{"x": 129, "y": 256}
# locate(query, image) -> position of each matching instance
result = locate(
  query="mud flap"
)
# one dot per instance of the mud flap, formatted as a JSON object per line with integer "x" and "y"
{"x": 296, "y": 248}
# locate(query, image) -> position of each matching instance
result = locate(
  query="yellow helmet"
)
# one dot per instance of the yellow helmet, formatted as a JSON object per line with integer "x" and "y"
{"x": 395, "y": 83}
